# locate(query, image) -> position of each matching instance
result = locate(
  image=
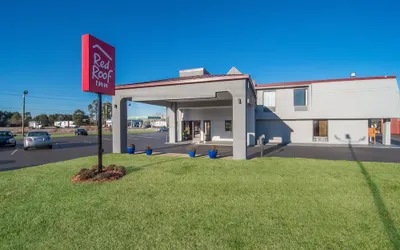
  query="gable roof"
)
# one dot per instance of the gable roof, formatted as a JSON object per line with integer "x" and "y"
{"x": 305, "y": 83}
{"x": 234, "y": 71}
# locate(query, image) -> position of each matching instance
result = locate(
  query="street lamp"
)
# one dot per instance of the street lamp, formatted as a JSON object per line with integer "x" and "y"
{"x": 23, "y": 111}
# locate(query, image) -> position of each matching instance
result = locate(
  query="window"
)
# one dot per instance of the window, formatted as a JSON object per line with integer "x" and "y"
{"x": 228, "y": 126}
{"x": 320, "y": 128}
{"x": 300, "y": 97}
{"x": 269, "y": 101}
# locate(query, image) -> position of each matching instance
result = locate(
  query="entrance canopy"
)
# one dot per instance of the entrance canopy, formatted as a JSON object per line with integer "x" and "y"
{"x": 205, "y": 95}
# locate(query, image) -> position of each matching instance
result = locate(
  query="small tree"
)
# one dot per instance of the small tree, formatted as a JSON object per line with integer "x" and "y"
{"x": 15, "y": 120}
{"x": 43, "y": 119}
{"x": 79, "y": 117}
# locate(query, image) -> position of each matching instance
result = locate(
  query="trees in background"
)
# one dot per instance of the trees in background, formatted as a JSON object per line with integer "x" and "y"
{"x": 79, "y": 117}
{"x": 4, "y": 118}
{"x": 43, "y": 119}
{"x": 106, "y": 111}
{"x": 92, "y": 108}
{"x": 15, "y": 120}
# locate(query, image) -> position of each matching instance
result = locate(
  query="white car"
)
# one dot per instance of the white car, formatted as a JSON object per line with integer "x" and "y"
{"x": 37, "y": 139}
{"x": 162, "y": 129}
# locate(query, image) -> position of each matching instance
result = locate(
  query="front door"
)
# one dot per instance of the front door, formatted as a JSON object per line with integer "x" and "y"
{"x": 196, "y": 130}
{"x": 207, "y": 130}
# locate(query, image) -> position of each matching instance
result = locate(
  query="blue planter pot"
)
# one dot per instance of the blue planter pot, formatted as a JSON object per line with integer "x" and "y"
{"x": 212, "y": 154}
{"x": 149, "y": 151}
{"x": 131, "y": 151}
{"x": 192, "y": 154}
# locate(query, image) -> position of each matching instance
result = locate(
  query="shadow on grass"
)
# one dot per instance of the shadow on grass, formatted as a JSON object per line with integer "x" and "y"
{"x": 384, "y": 214}
{"x": 161, "y": 161}
{"x": 130, "y": 170}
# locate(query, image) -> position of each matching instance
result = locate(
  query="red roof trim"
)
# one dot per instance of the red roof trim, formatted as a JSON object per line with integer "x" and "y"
{"x": 177, "y": 81}
{"x": 302, "y": 83}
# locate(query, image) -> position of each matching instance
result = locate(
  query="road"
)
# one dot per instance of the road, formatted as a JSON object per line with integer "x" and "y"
{"x": 67, "y": 148}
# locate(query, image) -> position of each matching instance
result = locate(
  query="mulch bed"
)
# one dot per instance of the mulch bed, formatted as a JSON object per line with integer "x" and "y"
{"x": 110, "y": 173}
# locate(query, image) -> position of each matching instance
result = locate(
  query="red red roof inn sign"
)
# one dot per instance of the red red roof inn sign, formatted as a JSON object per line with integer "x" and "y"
{"x": 98, "y": 66}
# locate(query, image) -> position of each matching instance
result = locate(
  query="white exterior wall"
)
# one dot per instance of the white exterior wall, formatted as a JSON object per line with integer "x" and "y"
{"x": 286, "y": 131}
{"x": 217, "y": 116}
{"x": 301, "y": 131}
{"x": 218, "y": 132}
{"x": 358, "y": 99}
{"x": 356, "y": 129}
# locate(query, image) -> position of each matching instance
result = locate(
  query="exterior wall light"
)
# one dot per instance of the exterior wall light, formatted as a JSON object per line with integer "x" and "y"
{"x": 115, "y": 106}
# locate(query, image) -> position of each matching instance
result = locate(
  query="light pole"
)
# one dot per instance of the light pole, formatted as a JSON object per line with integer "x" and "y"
{"x": 23, "y": 111}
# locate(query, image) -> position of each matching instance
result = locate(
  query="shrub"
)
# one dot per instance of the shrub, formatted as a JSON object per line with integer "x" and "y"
{"x": 192, "y": 150}
{"x": 112, "y": 167}
{"x": 148, "y": 147}
{"x": 122, "y": 170}
{"x": 132, "y": 145}
{"x": 214, "y": 148}
{"x": 85, "y": 173}
{"x": 103, "y": 176}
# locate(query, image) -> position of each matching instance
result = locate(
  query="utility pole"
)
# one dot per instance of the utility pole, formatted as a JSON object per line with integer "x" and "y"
{"x": 23, "y": 111}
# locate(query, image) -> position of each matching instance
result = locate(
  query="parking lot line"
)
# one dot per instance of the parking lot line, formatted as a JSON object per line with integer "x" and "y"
{"x": 13, "y": 152}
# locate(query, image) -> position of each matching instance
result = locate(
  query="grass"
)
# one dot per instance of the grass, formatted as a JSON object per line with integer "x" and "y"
{"x": 182, "y": 203}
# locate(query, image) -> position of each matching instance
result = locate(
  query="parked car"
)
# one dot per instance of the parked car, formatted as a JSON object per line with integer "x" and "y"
{"x": 37, "y": 139}
{"x": 162, "y": 129}
{"x": 80, "y": 131}
{"x": 7, "y": 139}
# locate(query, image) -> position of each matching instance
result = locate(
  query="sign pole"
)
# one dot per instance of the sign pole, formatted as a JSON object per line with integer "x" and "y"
{"x": 99, "y": 134}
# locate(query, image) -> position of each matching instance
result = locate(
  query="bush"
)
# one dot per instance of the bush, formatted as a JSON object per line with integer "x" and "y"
{"x": 122, "y": 170}
{"x": 103, "y": 176}
{"x": 148, "y": 147}
{"x": 112, "y": 167}
{"x": 85, "y": 173}
{"x": 214, "y": 148}
{"x": 192, "y": 150}
{"x": 132, "y": 145}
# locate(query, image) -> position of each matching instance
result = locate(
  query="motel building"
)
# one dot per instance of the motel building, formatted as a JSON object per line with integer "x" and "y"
{"x": 233, "y": 110}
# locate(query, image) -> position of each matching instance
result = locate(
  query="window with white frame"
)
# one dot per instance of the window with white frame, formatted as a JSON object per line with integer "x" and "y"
{"x": 300, "y": 97}
{"x": 269, "y": 101}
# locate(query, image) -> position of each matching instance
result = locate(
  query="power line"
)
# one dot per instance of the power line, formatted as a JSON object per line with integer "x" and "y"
{"x": 38, "y": 109}
{"x": 45, "y": 97}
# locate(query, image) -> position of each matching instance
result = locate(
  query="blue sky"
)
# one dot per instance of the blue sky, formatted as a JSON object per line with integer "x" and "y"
{"x": 273, "y": 41}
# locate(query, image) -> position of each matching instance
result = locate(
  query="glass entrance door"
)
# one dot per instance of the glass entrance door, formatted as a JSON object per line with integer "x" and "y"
{"x": 207, "y": 130}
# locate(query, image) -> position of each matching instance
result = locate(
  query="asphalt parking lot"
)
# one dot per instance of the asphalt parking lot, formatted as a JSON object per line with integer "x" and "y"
{"x": 74, "y": 147}
{"x": 67, "y": 148}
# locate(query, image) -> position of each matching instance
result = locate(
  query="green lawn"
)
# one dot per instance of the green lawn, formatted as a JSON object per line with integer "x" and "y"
{"x": 182, "y": 203}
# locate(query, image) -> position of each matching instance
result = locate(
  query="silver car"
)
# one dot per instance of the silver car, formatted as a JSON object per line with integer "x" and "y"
{"x": 37, "y": 139}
